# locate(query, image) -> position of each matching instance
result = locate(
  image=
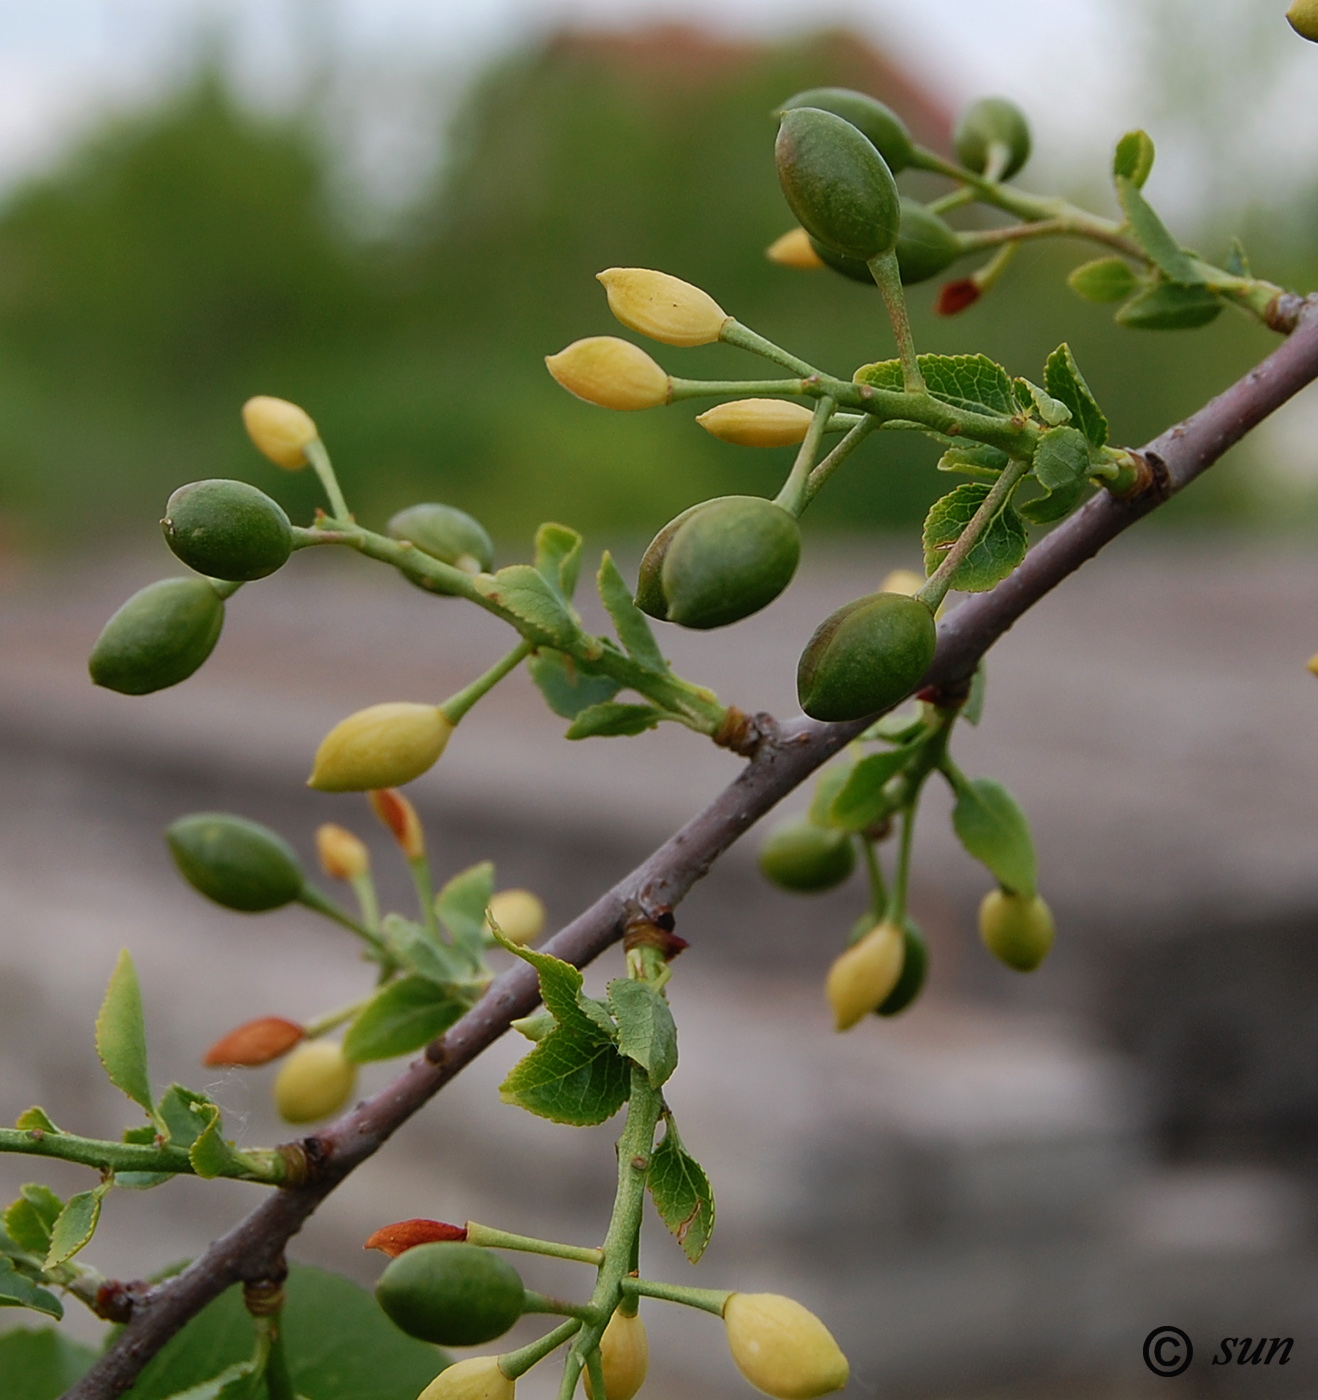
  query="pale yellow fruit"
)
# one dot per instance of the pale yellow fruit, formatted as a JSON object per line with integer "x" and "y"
{"x": 1016, "y": 929}
{"x": 1303, "y": 16}
{"x": 862, "y": 977}
{"x": 902, "y": 581}
{"x": 315, "y": 1081}
{"x": 663, "y": 307}
{"x": 519, "y": 914}
{"x": 342, "y": 855}
{"x": 1312, "y": 664}
{"x": 782, "y": 1348}
{"x": 280, "y": 429}
{"x": 794, "y": 249}
{"x": 477, "y": 1378}
{"x": 382, "y": 746}
{"x": 610, "y": 372}
{"x": 757, "y": 422}
{"x": 624, "y": 1358}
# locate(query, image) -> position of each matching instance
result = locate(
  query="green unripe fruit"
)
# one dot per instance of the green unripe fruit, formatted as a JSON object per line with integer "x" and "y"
{"x": 805, "y": 858}
{"x": 239, "y": 864}
{"x": 228, "y": 530}
{"x": 992, "y": 121}
{"x": 456, "y": 1295}
{"x": 886, "y": 131}
{"x": 159, "y": 637}
{"x": 915, "y": 968}
{"x": 837, "y": 184}
{"x": 718, "y": 562}
{"x": 866, "y": 656}
{"x": 447, "y": 533}
{"x": 1017, "y": 929}
{"x": 925, "y": 246}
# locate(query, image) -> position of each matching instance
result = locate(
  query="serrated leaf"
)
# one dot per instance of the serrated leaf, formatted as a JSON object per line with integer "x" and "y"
{"x": 995, "y": 554}
{"x": 560, "y": 990}
{"x": 973, "y": 710}
{"x": 613, "y": 719}
{"x": 971, "y": 382}
{"x": 19, "y": 1291}
{"x": 558, "y": 557}
{"x": 176, "y": 1111}
{"x": 861, "y": 801}
{"x": 460, "y": 906}
{"x": 1065, "y": 382}
{"x": 883, "y": 374}
{"x": 982, "y": 463}
{"x": 569, "y": 1078}
{"x": 41, "y": 1364}
{"x": 525, "y": 593}
{"x": 141, "y": 1181}
{"x": 1061, "y": 458}
{"x": 414, "y": 948}
{"x": 989, "y": 823}
{"x": 121, "y": 1035}
{"x": 646, "y": 1032}
{"x": 1047, "y": 409}
{"x": 1103, "y": 280}
{"x": 566, "y": 687}
{"x": 402, "y": 1017}
{"x": 29, "y": 1219}
{"x": 75, "y": 1225}
{"x": 36, "y": 1120}
{"x": 211, "y": 1154}
{"x": 682, "y": 1195}
{"x": 1154, "y": 236}
{"x": 144, "y": 1136}
{"x": 630, "y": 623}
{"x": 1167, "y": 306}
{"x": 1133, "y": 157}
{"x": 1044, "y": 510}
{"x": 827, "y": 786}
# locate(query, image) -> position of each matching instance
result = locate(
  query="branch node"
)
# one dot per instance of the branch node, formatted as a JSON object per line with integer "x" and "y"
{"x": 115, "y": 1301}
{"x": 653, "y": 931}
{"x": 264, "y": 1297}
{"x": 743, "y": 733}
{"x": 1284, "y": 311}
{"x": 297, "y": 1166}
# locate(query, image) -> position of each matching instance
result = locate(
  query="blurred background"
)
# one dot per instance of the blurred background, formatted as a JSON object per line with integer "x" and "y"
{"x": 390, "y": 212}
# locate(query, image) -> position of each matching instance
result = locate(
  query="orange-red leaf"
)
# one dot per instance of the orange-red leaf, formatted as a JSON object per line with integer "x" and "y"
{"x": 255, "y": 1043}
{"x": 398, "y": 814}
{"x": 394, "y": 1239}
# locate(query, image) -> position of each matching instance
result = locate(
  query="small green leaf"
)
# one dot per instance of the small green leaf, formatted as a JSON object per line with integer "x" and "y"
{"x": 29, "y": 1220}
{"x": 121, "y": 1035}
{"x": 1061, "y": 458}
{"x": 1153, "y": 235}
{"x": 402, "y": 1017}
{"x": 144, "y": 1136}
{"x": 535, "y": 1026}
{"x": 566, "y": 687}
{"x": 971, "y": 382}
{"x": 569, "y": 1078}
{"x": 646, "y": 1032}
{"x": 980, "y": 463}
{"x": 461, "y": 905}
{"x": 233, "y": 1383}
{"x": 899, "y": 727}
{"x": 1133, "y": 158}
{"x": 681, "y": 1194}
{"x": 212, "y": 1154}
{"x": 973, "y": 710}
{"x": 1043, "y": 510}
{"x": 861, "y": 801}
{"x": 525, "y": 593}
{"x": 41, "y": 1364}
{"x": 612, "y": 719}
{"x": 1062, "y": 376}
{"x": 633, "y": 627}
{"x": 1237, "y": 263}
{"x": 140, "y": 1181}
{"x": 19, "y": 1291}
{"x": 36, "y": 1120}
{"x": 1103, "y": 280}
{"x": 827, "y": 786}
{"x": 75, "y": 1225}
{"x": 1167, "y": 306}
{"x": 995, "y": 554}
{"x": 884, "y": 374}
{"x": 1047, "y": 409}
{"x": 558, "y": 557}
{"x": 413, "y": 946}
{"x": 177, "y": 1112}
{"x": 991, "y": 826}
{"x": 560, "y": 990}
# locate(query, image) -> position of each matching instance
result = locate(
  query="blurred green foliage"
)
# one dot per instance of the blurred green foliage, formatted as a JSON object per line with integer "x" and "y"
{"x": 190, "y": 256}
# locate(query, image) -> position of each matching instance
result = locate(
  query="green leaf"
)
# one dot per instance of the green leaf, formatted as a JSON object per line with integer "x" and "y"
{"x": 461, "y": 905}
{"x": 30, "y": 1219}
{"x": 612, "y": 719}
{"x": 144, "y": 1136}
{"x": 884, "y": 374}
{"x": 19, "y": 1291}
{"x": 1062, "y": 376}
{"x": 899, "y": 727}
{"x": 1237, "y": 263}
{"x": 41, "y": 1364}
{"x": 973, "y": 710}
{"x": 631, "y": 624}
{"x": 972, "y": 382}
{"x": 402, "y": 1017}
{"x": 991, "y": 826}
{"x": 1154, "y": 236}
{"x": 121, "y": 1035}
{"x": 995, "y": 554}
{"x": 1133, "y": 158}
{"x": 535, "y": 1026}
{"x": 569, "y": 1078}
{"x": 558, "y": 558}
{"x": 1061, "y": 458}
{"x": 646, "y": 1032}
{"x": 233, "y": 1383}
{"x": 176, "y": 1110}
{"x": 1103, "y": 280}
{"x": 1053, "y": 412}
{"x": 560, "y": 990}
{"x": 141, "y": 1181}
{"x": 75, "y": 1225}
{"x": 681, "y": 1194}
{"x": 525, "y": 593}
{"x": 566, "y": 687}
{"x": 861, "y": 801}
{"x": 981, "y": 463}
{"x": 36, "y": 1120}
{"x": 1167, "y": 306}
{"x": 413, "y": 946}
{"x": 1043, "y": 510}
{"x": 213, "y": 1155}
{"x": 827, "y": 786}
{"x": 339, "y": 1345}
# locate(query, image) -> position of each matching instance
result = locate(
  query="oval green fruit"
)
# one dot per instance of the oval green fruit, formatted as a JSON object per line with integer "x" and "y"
{"x": 925, "y": 246}
{"x": 446, "y": 533}
{"x": 797, "y": 855}
{"x": 237, "y": 863}
{"x": 457, "y": 1295}
{"x": 865, "y": 657}
{"x": 158, "y": 637}
{"x": 1017, "y": 929}
{"x": 886, "y": 131}
{"x": 992, "y": 121}
{"x": 228, "y": 530}
{"x": 836, "y": 183}
{"x": 915, "y": 968}
{"x": 718, "y": 562}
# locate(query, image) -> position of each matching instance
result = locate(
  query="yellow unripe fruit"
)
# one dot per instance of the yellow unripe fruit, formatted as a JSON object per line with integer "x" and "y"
{"x": 624, "y": 1358}
{"x": 280, "y": 429}
{"x": 316, "y": 1080}
{"x": 757, "y": 422}
{"x": 520, "y": 916}
{"x": 1312, "y": 664}
{"x": 477, "y": 1378}
{"x": 794, "y": 249}
{"x": 782, "y": 1348}
{"x": 663, "y": 307}
{"x": 610, "y": 372}
{"x": 863, "y": 976}
{"x": 905, "y": 581}
{"x": 1303, "y": 17}
{"x": 382, "y": 746}
{"x": 342, "y": 855}
{"x": 1017, "y": 929}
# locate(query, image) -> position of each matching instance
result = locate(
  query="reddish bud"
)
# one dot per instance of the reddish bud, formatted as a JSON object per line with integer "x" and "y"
{"x": 956, "y": 296}
{"x": 393, "y": 1240}
{"x": 398, "y": 814}
{"x": 256, "y": 1043}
